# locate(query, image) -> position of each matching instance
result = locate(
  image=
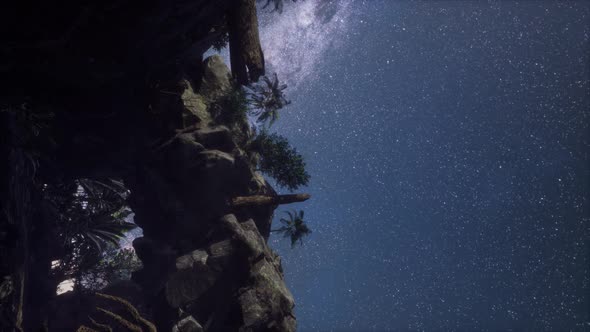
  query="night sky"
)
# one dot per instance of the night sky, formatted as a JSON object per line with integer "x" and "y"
{"x": 448, "y": 147}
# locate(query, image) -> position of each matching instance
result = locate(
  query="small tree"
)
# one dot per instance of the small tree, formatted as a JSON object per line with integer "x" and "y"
{"x": 294, "y": 227}
{"x": 280, "y": 161}
{"x": 232, "y": 107}
{"x": 267, "y": 98}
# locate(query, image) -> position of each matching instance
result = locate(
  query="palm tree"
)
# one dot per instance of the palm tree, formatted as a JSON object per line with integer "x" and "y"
{"x": 294, "y": 227}
{"x": 101, "y": 213}
{"x": 90, "y": 218}
{"x": 268, "y": 98}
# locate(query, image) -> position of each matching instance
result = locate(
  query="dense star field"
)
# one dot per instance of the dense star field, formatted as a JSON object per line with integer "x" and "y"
{"x": 448, "y": 147}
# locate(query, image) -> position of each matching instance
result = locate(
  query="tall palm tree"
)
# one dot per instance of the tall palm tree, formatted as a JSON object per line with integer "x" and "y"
{"x": 294, "y": 227}
{"x": 268, "y": 98}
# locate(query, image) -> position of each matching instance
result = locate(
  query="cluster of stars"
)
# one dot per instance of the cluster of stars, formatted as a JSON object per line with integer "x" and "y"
{"x": 447, "y": 143}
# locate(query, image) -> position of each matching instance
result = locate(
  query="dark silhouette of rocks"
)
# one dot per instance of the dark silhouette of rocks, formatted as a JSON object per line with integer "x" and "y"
{"x": 131, "y": 99}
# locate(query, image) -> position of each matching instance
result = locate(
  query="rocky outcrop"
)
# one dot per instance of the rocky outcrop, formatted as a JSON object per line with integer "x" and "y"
{"x": 254, "y": 294}
{"x": 206, "y": 264}
{"x": 214, "y": 84}
{"x": 203, "y": 257}
{"x": 131, "y": 99}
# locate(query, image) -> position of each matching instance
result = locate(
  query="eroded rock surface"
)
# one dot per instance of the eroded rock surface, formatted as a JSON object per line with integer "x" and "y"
{"x": 133, "y": 101}
{"x": 248, "y": 270}
{"x": 206, "y": 264}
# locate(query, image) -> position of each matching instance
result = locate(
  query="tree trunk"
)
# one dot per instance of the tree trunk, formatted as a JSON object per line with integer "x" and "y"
{"x": 269, "y": 200}
{"x": 247, "y": 59}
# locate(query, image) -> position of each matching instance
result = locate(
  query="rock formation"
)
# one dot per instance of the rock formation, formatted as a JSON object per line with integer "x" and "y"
{"x": 130, "y": 99}
{"x": 201, "y": 259}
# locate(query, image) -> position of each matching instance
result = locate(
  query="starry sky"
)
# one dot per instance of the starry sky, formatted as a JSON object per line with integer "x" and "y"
{"x": 448, "y": 147}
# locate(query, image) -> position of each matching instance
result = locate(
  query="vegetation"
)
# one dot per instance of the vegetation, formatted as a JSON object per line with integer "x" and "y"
{"x": 233, "y": 107}
{"x": 89, "y": 218}
{"x": 135, "y": 323}
{"x": 294, "y": 227}
{"x": 280, "y": 161}
{"x": 267, "y": 98}
{"x": 64, "y": 227}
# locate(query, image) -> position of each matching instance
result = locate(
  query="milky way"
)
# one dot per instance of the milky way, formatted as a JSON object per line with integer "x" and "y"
{"x": 447, "y": 143}
{"x": 297, "y": 40}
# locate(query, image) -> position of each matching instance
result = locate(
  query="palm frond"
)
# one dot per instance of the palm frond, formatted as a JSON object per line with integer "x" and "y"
{"x": 96, "y": 240}
{"x": 294, "y": 227}
{"x": 291, "y": 215}
{"x": 267, "y": 98}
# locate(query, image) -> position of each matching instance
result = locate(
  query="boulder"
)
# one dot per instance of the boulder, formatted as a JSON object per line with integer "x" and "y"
{"x": 188, "y": 145}
{"x": 248, "y": 235}
{"x": 184, "y": 151}
{"x": 218, "y": 138}
{"x": 250, "y": 228}
{"x": 215, "y": 83}
{"x": 200, "y": 257}
{"x": 220, "y": 254}
{"x": 195, "y": 106}
{"x": 216, "y": 80}
{"x": 197, "y": 259}
{"x": 191, "y": 279}
{"x": 217, "y": 161}
{"x": 267, "y": 304}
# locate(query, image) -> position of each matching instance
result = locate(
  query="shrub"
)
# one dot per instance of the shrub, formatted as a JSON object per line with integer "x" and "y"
{"x": 280, "y": 161}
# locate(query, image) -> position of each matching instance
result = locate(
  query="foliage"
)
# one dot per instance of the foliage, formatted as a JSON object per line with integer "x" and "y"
{"x": 135, "y": 323}
{"x": 280, "y": 161}
{"x": 233, "y": 107}
{"x": 267, "y": 98}
{"x": 294, "y": 227}
{"x": 89, "y": 217}
{"x": 96, "y": 214}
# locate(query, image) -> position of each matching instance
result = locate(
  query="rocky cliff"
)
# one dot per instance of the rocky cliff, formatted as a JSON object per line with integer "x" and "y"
{"x": 207, "y": 258}
{"x": 130, "y": 98}
{"x": 206, "y": 264}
